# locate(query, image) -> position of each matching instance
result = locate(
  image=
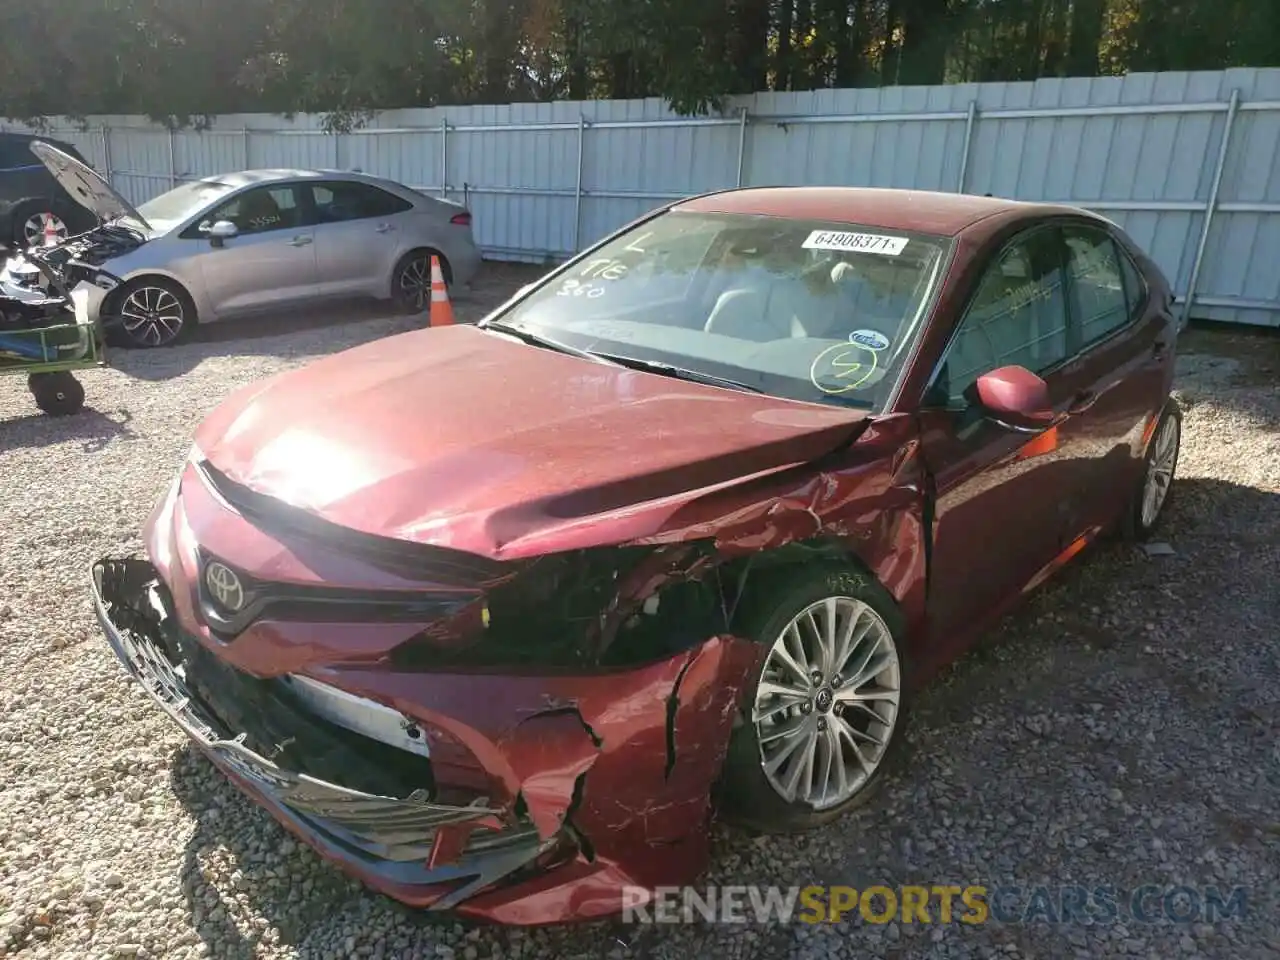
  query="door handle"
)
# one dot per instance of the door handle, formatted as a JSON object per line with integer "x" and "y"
{"x": 1082, "y": 402}
{"x": 383, "y": 227}
{"x": 299, "y": 241}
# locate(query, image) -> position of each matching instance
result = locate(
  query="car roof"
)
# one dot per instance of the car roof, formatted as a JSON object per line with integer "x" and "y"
{"x": 62, "y": 145}
{"x": 918, "y": 211}
{"x": 244, "y": 178}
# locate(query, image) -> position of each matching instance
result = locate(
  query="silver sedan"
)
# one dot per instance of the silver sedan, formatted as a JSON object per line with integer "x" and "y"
{"x": 258, "y": 241}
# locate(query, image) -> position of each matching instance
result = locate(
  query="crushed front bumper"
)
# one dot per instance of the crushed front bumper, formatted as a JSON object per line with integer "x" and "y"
{"x": 430, "y": 854}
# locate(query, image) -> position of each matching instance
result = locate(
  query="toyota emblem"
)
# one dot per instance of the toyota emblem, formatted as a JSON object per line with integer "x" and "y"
{"x": 224, "y": 586}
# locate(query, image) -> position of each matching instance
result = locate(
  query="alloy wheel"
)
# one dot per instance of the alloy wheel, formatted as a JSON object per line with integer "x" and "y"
{"x": 414, "y": 283}
{"x": 1164, "y": 459}
{"x": 826, "y": 705}
{"x": 152, "y": 316}
{"x": 34, "y": 228}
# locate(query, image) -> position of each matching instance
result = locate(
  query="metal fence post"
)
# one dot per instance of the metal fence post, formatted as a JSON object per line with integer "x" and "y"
{"x": 248, "y": 165}
{"x": 1211, "y": 205}
{"x": 742, "y": 142}
{"x": 444, "y": 158}
{"x": 173, "y": 163}
{"x": 106, "y": 153}
{"x": 337, "y": 150}
{"x": 969, "y": 122}
{"x": 577, "y": 190}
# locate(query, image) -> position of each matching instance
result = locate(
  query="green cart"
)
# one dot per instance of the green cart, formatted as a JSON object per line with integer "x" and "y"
{"x": 40, "y": 336}
{"x": 48, "y": 355}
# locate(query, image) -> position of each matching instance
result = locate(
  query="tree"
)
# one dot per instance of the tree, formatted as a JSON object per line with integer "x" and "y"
{"x": 181, "y": 60}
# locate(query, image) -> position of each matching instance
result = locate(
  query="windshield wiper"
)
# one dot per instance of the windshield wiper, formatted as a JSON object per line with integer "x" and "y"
{"x": 678, "y": 373}
{"x": 540, "y": 341}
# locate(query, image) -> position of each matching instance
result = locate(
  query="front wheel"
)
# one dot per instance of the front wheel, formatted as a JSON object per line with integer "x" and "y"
{"x": 824, "y": 714}
{"x": 58, "y": 394}
{"x": 153, "y": 312}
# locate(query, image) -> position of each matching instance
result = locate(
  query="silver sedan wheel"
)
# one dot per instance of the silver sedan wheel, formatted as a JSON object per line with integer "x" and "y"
{"x": 34, "y": 227}
{"x": 414, "y": 283}
{"x": 827, "y": 702}
{"x": 152, "y": 316}
{"x": 1164, "y": 458}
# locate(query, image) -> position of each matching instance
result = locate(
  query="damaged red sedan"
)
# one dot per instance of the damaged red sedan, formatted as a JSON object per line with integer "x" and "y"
{"x": 496, "y": 617}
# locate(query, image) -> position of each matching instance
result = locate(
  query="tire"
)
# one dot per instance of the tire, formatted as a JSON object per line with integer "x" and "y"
{"x": 150, "y": 312}
{"x": 416, "y": 298}
{"x": 751, "y": 797}
{"x": 1161, "y": 460}
{"x": 26, "y": 222}
{"x": 58, "y": 394}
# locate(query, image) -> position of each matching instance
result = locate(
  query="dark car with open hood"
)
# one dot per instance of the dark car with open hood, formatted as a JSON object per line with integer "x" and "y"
{"x": 33, "y": 204}
{"x": 498, "y": 617}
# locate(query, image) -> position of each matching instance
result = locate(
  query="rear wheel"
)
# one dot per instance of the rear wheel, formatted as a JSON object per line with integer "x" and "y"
{"x": 152, "y": 312}
{"x": 58, "y": 394}
{"x": 1158, "y": 471}
{"x": 411, "y": 280}
{"x": 823, "y": 716}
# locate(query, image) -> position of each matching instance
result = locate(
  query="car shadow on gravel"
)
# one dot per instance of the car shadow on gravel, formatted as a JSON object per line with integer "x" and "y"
{"x": 1077, "y": 607}
{"x": 91, "y": 428}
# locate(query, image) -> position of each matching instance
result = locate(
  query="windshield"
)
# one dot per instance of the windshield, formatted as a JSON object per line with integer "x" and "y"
{"x": 800, "y": 309}
{"x": 175, "y": 206}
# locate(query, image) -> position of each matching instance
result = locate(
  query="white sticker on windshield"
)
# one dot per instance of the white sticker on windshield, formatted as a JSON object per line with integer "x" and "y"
{"x": 855, "y": 242}
{"x": 871, "y": 339}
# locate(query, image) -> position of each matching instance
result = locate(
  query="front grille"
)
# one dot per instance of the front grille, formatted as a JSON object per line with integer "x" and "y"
{"x": 382, "y": 816}
{"x": 430, "y": 564}
{"x": 269, "y": 600}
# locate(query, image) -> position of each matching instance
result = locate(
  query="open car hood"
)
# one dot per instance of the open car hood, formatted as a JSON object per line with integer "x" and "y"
{"x": 462, "y": 438}
{"x": 86, "y": 185}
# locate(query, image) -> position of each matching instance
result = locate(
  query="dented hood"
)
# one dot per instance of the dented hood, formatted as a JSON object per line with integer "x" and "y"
{"x": 461, "y": 438}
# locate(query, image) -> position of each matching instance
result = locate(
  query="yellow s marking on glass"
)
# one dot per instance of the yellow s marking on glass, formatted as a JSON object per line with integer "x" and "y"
{"x": 840, "y": 359}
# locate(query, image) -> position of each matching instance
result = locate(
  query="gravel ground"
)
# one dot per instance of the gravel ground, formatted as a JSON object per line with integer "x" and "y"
{"x": 1120, "y": 729}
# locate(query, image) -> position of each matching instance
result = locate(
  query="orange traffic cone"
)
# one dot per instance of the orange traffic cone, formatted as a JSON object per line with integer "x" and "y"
{"x": 441, "y": 309}
{"x": 50, "y": 231}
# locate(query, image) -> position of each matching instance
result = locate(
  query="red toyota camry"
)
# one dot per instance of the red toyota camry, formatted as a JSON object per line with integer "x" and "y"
{"x": 497, "y": 617}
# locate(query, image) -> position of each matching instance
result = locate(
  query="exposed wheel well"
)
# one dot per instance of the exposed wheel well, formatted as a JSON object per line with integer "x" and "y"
{"x": 757, "y": 572}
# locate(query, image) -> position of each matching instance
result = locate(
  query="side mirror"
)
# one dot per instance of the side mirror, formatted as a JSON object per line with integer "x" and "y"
{"x": 1015, "y": 398}
{"x": 220, "y": 232}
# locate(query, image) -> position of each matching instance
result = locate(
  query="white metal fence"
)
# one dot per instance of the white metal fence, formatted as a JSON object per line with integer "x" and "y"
{"x": 1186, "y": 162}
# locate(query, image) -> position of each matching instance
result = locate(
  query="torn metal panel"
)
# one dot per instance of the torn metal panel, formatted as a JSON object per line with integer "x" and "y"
{"x": 617, "y": 766}
{"x": 556, "y": 749}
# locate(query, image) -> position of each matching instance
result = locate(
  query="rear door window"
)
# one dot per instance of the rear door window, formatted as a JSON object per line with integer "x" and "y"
{"x": 338, "y": 202}
{"x": 1099, "y": 302}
